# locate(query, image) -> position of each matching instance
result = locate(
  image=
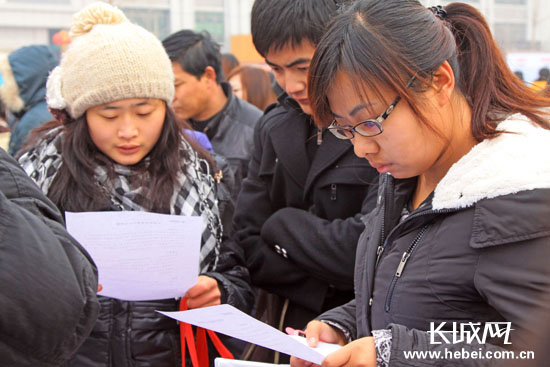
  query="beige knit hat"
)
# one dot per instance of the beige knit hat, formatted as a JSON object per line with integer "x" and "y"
{"x": 109, "y": 59}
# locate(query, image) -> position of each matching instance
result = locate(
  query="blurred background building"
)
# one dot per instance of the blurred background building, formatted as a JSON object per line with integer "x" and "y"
{"x": 519, "y": 26}
{"x": 24, "y": 22}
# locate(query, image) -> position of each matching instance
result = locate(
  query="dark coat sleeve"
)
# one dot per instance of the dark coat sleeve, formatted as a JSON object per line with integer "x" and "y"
{"x": 230, "y": 272}
{"x": 342, "y": 316}
{"x": 233, "y": 278}
{"x": 268, "y": 269}
{"x": 326, "y": 249}
{"x": 48, "y": 282}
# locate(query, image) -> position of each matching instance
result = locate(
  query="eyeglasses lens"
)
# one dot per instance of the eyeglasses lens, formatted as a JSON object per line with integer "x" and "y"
{"x": 368, "y": 128}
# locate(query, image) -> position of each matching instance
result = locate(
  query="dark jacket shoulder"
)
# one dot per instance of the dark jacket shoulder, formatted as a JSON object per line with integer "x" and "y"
{"x": 243, "y": 112}
{"x": 48, "y": 281}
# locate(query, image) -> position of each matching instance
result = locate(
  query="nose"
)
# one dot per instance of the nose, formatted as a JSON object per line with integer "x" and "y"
{"x": 363, "y": 146}
{"x": 127, "y": 129}
{"x": 175, "y": 99}
{"x": 294, "y": 85}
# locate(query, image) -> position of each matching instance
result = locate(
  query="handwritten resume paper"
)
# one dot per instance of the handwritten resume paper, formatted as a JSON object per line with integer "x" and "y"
{"x": 227, "y": 320}
{"x": 140, "y": 256}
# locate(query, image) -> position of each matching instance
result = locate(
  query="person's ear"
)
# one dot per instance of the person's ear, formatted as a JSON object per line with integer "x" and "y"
{"x": 443, "y": 84}
{"x": 210, "y": 74}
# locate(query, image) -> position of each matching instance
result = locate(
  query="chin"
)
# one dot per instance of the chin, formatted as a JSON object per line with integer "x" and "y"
{"x": 180, "y": 115}
{"x": 401, "y": 175}
{"x": 306, "y": 108}
{"x": 127, "y": 161}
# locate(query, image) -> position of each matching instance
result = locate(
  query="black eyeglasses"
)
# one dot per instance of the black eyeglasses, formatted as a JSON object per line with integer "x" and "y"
{"x": 367, "y": 128}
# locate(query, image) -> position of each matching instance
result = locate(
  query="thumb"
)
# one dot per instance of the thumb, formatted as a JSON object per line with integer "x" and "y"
{"x": 313, "y": 332}
{"x": 337, "y": 358}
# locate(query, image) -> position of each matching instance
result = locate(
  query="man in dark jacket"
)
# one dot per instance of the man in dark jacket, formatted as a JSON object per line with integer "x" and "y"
{"x": 298, "y": 213}
{"x": 23, "y": 89}
{"x": 48, "y": 282}
{"x": 207, "y": 102}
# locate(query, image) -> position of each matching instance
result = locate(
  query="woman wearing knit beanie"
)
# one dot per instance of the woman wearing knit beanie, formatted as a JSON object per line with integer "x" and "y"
{"x": 117, "y": 146}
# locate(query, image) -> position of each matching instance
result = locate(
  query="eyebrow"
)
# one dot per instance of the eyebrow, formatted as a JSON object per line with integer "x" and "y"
{"x": 355, "y": 109}
{"x": 139, "y": 104}
{"x": 291, "y": 64}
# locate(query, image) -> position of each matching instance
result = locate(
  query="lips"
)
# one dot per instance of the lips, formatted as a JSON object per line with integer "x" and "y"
{"x": 128, "y": 149}
{"x": 380, "y": 167}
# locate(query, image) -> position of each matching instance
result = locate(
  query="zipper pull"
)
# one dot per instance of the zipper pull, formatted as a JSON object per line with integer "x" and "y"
{"x": 378, "y": 254}
{"x": 402, "y": 263}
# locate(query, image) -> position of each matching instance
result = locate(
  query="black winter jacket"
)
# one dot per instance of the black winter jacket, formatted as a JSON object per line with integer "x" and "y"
{"x": 48, "y": 282}
{"x": 232, "y": 134}
{"x": 130, "y": 334}
{"x": 477, "y": 251}
{"x": 299, "y": 221}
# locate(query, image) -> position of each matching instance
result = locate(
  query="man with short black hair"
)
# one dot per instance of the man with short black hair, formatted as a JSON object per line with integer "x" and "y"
{"x": 298, "y": 216}
{"x": 207, "y": 102}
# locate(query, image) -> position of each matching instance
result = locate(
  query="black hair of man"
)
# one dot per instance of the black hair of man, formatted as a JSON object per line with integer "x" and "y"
{"x": 277, "y": 23}
{"x": 194, "y": 52}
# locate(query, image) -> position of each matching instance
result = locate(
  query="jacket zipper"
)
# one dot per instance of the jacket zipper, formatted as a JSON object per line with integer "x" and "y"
{"x": 380, "y": 247}
{"x": 406, "y": 255}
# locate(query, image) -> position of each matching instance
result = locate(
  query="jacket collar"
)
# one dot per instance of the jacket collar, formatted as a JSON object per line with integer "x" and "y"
{"x": 513, "y": 165}
{"x": 290, "y": 136}
{"x": 25, "y": 72}
{"x": 288, "y": 102}
{"x": 215, "y": 125}
{"x": 517, "y": 160}
{"x": 329, "y": 152}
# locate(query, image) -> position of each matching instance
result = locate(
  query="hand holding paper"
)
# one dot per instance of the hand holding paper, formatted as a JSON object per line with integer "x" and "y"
{"x": 228, "y": 320}
{"x": 203, "y": 294}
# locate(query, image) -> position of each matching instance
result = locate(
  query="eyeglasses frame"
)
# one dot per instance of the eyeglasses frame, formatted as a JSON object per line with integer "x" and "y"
{"x": 377, "y": 121}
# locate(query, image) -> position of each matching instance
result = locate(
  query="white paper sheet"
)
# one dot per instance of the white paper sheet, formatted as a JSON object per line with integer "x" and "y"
{"x": 140, "y": 256}
{"x": 228, "y": 320}
{"x": 223, "y": 362}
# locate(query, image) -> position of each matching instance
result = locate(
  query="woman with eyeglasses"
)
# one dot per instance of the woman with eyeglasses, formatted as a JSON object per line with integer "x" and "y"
{"x": 455, "y": 256}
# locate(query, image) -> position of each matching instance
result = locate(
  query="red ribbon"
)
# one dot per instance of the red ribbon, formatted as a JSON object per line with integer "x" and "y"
{"x": 199, "y": 351}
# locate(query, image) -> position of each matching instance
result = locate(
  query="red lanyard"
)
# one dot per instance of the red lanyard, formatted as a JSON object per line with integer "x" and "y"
{"x": 199, "y": 352}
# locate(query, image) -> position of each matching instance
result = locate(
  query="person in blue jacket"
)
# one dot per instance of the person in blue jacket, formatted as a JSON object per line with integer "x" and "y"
{"x": 24, "y": 73}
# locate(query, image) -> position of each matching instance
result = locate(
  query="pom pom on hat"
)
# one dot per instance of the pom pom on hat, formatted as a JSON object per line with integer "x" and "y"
{"x": 109, "y": 59}
{"x": 93, "y": 14}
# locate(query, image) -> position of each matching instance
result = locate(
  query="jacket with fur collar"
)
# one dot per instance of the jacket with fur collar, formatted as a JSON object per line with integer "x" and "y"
{"x": 477, "y": 250}
{"x": 24, "y": 73}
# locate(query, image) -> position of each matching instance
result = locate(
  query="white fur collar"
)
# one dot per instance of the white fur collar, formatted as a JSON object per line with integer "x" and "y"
{"x": 505, "y": 165}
